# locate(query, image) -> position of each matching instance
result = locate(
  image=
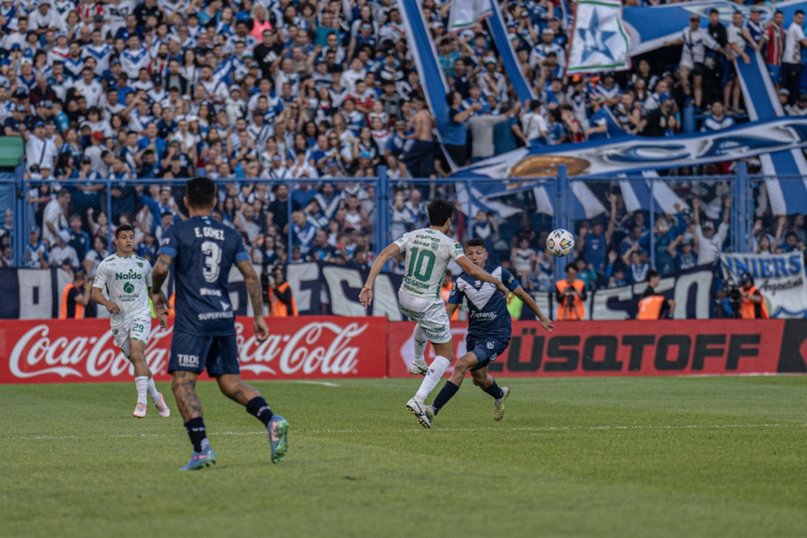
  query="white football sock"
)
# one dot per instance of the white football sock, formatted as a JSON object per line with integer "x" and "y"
{"x": 155, "y": 394}
{"x": 420, "y": 342}
{"x": 436, "y": 370}
{"x": 142, "y": 385}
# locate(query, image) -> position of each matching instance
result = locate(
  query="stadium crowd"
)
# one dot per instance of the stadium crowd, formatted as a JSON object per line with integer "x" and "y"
{"x": 282, "y": 90}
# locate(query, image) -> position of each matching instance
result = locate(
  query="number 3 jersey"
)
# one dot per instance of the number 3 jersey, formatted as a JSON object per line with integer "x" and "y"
{"x": 204, "y": 251}
{"x": 125, "y": 281}
{"x": 427, "y": 254}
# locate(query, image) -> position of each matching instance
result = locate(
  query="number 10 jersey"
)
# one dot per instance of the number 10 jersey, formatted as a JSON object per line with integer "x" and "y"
{"x": 204, "y": 251}
{"x": 427, "y": 254}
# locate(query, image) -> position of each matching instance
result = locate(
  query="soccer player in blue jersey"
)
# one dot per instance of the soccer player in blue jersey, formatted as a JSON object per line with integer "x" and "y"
{"x": 489, "y": 328}
{"x": 203, "y": 250}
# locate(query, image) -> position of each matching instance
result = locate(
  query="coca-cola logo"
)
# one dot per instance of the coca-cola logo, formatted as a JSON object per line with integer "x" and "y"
{"x": 318, "y": 348}
{"x": 38, "y": 353}
{"x": 70, "y": 351}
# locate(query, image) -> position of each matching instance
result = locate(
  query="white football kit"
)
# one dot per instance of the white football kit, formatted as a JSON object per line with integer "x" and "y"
{"x": 126, "y": 282}
{"x": 427, "y": 253}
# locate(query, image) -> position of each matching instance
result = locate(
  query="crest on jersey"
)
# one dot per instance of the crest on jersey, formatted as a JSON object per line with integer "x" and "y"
{"x": 140, "y": 264}
{"x": 128, "y": 287}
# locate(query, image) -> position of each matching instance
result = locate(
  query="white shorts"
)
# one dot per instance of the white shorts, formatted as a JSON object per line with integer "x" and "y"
{"x": 137, "y": 328}
{"x": 429, "y": 314}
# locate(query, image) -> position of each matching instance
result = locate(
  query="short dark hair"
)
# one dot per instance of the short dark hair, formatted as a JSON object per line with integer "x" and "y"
{"x": 475, "y": 242}
{"x": 440, "y": 211}
{"x": 652, "y": 274}
{"x": 123, "y": 228}
{"x": 201, "y": 192}
{"x": 572, "y": 266}
{"x": 798, "y": 12}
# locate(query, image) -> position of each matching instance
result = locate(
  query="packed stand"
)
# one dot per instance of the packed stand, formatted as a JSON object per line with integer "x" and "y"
{"x": 284, "y": 90}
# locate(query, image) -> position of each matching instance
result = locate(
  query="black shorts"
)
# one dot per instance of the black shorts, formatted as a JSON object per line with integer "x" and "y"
{"x": 193, "y": 353}
{"x": 698, "y": 69}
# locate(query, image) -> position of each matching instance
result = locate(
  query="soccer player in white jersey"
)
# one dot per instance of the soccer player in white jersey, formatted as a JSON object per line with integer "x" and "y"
{"x": 121, "y": 285}
{"x": 427, "y": 252}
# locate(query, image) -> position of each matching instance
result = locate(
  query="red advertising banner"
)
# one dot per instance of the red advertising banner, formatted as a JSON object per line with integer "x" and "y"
{"x": 61, "y": 351}
{"x": 619, "y": 348}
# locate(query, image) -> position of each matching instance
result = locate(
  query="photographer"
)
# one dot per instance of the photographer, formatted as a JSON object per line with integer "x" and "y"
{"x": 653, "y": 305}
{"x": 281, "y": 300}
{"x": 570, "y": 294}
{"x": 752, "y": 304}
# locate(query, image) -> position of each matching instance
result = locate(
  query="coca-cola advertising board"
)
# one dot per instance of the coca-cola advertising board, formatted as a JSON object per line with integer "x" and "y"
{"x": 626, "y": 348}
{"x": 63, "y": 351}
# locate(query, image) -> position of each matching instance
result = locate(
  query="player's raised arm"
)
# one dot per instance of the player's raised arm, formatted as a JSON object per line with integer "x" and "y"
{"x": 522, "y": 294}
{"x": 478, "y": 273}
{"x": 389, "y": 253}
{"x": 253, "y": 285}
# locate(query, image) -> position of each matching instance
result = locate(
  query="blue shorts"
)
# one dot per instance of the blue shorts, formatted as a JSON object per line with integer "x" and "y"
{"x": 486, "y": 350}
{"x": 193, "y": 353}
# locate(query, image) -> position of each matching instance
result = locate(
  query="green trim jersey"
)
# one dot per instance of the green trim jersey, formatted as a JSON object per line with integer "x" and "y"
{"x": 427, "y": 254}
{"x": 125, "y": 282}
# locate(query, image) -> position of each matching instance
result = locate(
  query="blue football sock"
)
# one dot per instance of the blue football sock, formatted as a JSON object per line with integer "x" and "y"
{"x": 445, "y": 394}
{"x": 494, "y": 390}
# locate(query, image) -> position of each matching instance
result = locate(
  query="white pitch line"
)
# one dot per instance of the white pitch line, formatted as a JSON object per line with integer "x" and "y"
{"x": 537, "y": 429}
{"x": 321, "y": 383}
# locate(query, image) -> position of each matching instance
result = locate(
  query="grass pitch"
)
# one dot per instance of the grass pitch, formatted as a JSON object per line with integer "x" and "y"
{"x": 573, "y": 457}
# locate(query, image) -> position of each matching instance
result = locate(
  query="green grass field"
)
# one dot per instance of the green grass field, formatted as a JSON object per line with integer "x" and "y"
{"x": 573, "y": 457}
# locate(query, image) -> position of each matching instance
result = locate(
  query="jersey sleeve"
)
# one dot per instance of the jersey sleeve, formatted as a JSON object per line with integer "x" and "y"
{"x": 457, "y": 251}
{"x": 456, "y": 296}
{"x": 509, "y": 280}
{"x": 169, "y": 243}
{"x": 148, "y": 275}
{"x": 402, "y": 242}
{"x": 100, "y": 277}
{"x": 241, "y": 253}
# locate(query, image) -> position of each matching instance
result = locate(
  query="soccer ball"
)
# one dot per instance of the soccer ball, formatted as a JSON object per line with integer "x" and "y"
{"x": 560, "y": 242}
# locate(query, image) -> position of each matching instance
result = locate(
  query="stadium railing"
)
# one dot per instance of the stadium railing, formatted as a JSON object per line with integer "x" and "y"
{"x": 514, "y": 204}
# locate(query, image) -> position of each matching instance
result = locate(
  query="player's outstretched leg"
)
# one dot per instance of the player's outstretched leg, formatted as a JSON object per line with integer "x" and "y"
{"x": 483, "y": 380}
{"x": 437, "y": 368}
{"x": 419, "y": 366}
{"x": 451, "y": 386}
{"x": 183, "y": 385}
{"x": 234, "y": 388}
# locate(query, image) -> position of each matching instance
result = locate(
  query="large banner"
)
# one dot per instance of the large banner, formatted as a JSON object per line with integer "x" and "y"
{"x": 629, "y": 348}
{"x": 327, "y": 289}
{"x": 606, "y": 157}
{"x": 324, "y": 288}
{"x": 62, "y": 351}
{"x": 56, "y": 351}
{"x": 782, "y": 279}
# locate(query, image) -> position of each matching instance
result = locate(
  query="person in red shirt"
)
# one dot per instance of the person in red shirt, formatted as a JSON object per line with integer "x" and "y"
{"x": 775, "y": 45}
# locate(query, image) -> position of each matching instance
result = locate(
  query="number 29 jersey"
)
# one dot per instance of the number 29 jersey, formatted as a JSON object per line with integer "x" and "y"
{"x": 427, "y": 253}
{"x": 204, "y": 251}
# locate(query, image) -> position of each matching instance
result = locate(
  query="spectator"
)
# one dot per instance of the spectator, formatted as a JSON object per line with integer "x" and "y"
{"x": 791, "y": 59}
{"x": 752, "y": 303}
{"x": 36, "y": 252}
{"x": 709, "y": 244}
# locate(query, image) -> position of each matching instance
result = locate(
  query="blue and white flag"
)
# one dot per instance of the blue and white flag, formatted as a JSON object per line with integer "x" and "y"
{"x": 599, "y": 40}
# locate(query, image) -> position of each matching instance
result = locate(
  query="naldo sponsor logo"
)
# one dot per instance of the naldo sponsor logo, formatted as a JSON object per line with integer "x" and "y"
{"x": 129, "y": 275}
